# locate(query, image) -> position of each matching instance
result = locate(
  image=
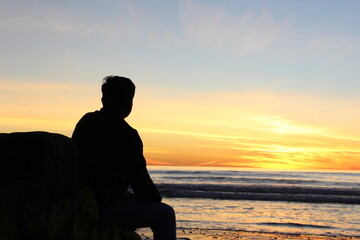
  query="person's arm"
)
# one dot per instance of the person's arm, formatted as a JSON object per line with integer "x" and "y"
{"x": 81, "y": 138}
{"x": 80, "y": 130}
{"x": 143, "y": 186}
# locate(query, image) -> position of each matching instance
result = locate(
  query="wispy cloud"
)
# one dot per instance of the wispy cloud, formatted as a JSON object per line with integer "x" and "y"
{"x": 251, "y": 31}
{"x": 82, "y": 18}
{"x": 216, "y": 28}
{"x": 256, "y": 129}
{"x": 325, "y": 44}
{"x": 209, "y": 26}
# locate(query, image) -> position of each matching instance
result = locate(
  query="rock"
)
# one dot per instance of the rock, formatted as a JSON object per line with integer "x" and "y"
{"x": 24, "y": 211}
{"x": 75, "y": 217}
{"x": 46, "y": 159}
{"x": 40, "y": 194}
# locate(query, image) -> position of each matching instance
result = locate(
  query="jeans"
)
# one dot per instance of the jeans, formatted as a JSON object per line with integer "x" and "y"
{"x": 129, "y": 213}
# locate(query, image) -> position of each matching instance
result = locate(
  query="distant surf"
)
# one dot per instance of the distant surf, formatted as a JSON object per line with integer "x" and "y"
{"x": 313, "y": 202}
{"x": 262, "y": 192}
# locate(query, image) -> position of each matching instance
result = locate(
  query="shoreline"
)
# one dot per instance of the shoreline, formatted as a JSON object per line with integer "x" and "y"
{"x": 197, "y": 234}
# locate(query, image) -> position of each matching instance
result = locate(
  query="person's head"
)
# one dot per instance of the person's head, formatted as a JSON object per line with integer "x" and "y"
{"x": 117, "y": 94}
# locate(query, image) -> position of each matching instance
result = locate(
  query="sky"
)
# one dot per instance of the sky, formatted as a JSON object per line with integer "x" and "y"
{"x": 259, "y": 84}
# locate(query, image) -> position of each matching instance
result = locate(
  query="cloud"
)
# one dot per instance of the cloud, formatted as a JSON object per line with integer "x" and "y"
{"x": 81, "y": 18}
{"x": 250, "y": 31}
{"x": 287, "y": 113}
{"x": 327, "y": 45}
{"x": 217, "y": 28}
{"x": 250, "y": 129}
{"x": 209, "y": 25}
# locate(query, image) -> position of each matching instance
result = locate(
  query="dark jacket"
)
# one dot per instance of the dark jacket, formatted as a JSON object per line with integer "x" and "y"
{"x": 111, "y": 159}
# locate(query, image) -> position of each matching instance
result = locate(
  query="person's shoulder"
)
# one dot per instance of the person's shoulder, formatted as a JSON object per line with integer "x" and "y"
{"x": 90, "y": 117}
{"x": 85, "y": 124}
{"x": 130, "y": 128}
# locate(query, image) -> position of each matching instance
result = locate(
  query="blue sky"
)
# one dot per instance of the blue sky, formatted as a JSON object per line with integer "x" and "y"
{"x": 310, "y": 46}
{"x": 222, "y": 64}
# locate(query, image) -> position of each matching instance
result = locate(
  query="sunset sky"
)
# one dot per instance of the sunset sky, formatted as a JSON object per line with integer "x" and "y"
{"x": 268, "y": 84}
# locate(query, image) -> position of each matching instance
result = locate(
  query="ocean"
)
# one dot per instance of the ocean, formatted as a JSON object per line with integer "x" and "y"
{"x": 291, "y": 202}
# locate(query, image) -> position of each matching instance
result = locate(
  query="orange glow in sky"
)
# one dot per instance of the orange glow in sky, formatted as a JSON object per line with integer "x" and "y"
{"x": 256, "y": 129}
{"x": 219, "y": 83}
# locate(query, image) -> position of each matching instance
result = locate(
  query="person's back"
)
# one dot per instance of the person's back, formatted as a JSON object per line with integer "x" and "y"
{"x": 111, "y": 159}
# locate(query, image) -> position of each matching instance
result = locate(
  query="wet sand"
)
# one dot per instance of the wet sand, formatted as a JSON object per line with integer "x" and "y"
{"x": 197, "y": 234}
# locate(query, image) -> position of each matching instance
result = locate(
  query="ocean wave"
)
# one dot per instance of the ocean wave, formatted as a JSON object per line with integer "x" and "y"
{"x": 254, "y": 180}
{"x": 261, "y": 192}
{"x": 298, "y": 225}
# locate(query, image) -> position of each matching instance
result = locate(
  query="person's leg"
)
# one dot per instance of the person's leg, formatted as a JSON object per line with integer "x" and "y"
{"x": 129, "y": 213}
{"x": 165, "y": 228}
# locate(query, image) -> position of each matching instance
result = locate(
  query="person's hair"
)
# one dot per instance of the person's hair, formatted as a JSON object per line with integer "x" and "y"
{"x": 115, "y": 88}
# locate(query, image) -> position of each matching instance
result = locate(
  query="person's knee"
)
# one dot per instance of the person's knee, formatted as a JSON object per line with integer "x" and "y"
{"x": 168, "y": 212}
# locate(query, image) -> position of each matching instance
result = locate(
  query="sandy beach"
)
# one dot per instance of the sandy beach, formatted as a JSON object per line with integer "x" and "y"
{"x": 197, "y": 234}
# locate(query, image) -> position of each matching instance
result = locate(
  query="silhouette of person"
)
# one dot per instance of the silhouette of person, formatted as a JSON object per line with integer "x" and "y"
{"x": 111, "y": 159}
